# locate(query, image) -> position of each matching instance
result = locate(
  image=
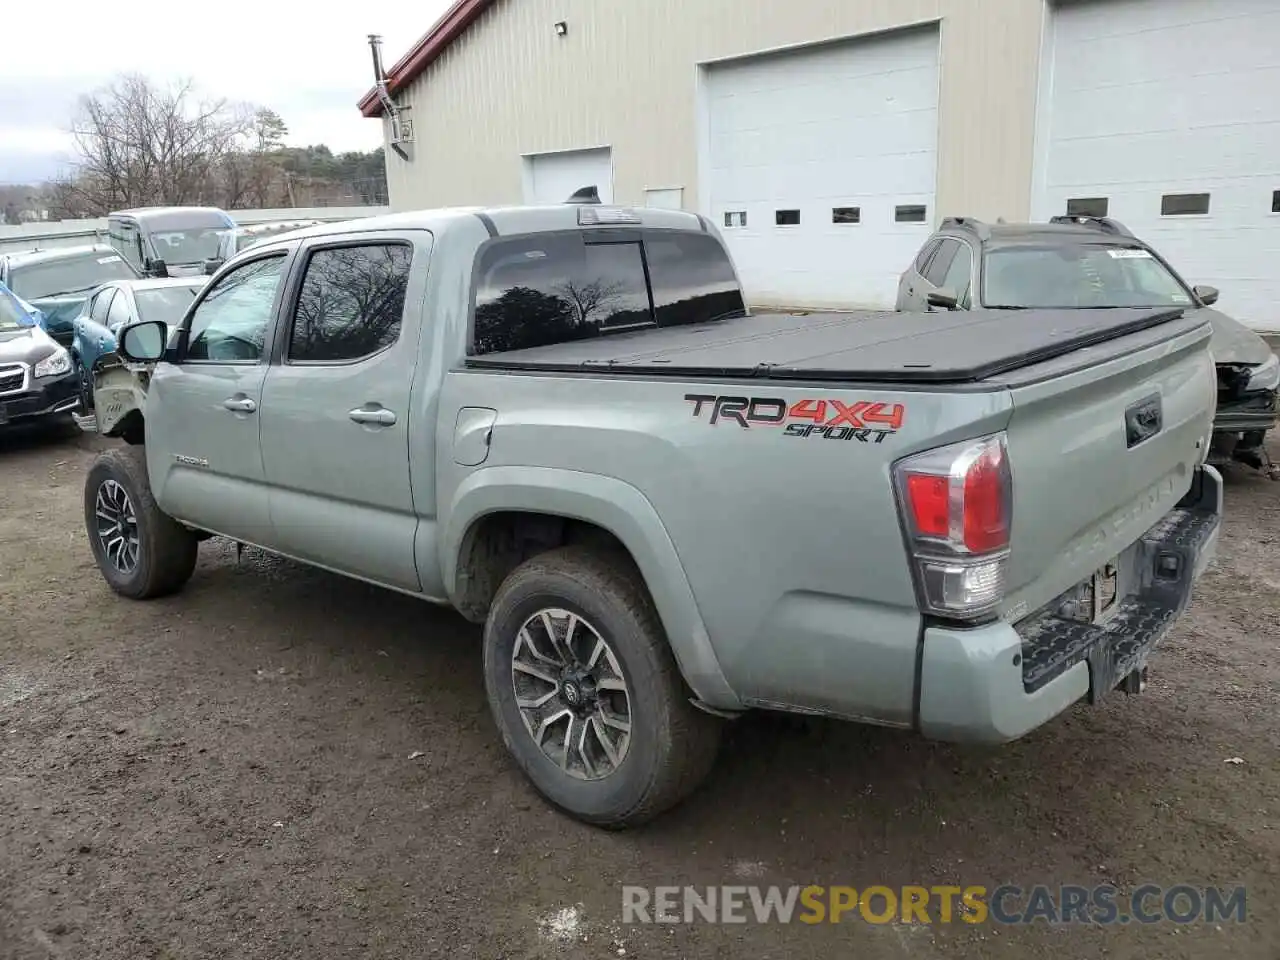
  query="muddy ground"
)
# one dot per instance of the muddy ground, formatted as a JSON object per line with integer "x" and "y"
{"x": 227, "y": 773}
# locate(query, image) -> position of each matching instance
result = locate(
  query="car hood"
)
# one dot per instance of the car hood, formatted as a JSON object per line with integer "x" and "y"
{"x": 1232, "y": 341}
{"x": 29, "y": 345}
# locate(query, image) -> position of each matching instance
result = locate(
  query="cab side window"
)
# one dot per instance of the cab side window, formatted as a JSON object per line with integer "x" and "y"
{"x": 118, "y": 314}
{"x": 98, "y": 312}
{"x": 230, "y": 324}
{"x": 352, "y": 303}
{"x": 936, "y": 272}
{"x": 959, "y": 274}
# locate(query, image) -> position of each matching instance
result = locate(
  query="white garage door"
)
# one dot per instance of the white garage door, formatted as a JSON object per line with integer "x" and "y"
{"x": 820, "y": 165}
{"x": 555, "y": 177}
{"x": 1167, "y": 113}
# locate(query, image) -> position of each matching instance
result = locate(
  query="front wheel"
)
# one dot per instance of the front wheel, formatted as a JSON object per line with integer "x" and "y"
{"x": 586, "y": 693}
{"x": 141, "y": 551}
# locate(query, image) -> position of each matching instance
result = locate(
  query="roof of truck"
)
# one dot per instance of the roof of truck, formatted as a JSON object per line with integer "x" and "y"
{"x": 507, "y": 220}
{"x": 23, "y": 258}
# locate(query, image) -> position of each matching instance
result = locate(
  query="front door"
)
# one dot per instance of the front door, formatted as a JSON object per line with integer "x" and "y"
{"x": 203, "y": 452}
{"x": 336, "y": 420}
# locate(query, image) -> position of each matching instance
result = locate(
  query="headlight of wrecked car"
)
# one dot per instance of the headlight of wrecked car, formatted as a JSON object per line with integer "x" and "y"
{"x": 1266, "y": 375}
{"x": 57, "y": 362}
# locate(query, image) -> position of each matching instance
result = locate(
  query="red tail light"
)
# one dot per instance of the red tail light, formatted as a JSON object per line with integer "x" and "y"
{"x": 957, "y": 506}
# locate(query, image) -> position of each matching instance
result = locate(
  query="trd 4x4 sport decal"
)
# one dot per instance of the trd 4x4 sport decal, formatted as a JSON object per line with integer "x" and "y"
{"x": 862, "y": 420}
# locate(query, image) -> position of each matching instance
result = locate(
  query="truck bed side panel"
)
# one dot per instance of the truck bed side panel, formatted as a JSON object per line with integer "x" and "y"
{"x": 789, "y": 536}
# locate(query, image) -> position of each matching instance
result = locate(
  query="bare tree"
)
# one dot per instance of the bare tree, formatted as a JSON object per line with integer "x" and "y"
{"x": 140, "y": 143}
{"x": 590, "y": 297}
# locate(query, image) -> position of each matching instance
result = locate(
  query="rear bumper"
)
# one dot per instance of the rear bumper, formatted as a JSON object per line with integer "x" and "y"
{"x": 45, "y": 397}
{"x": 997, "y": 682}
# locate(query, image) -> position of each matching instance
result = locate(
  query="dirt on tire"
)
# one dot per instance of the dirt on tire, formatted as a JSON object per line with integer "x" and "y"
{"x": 277, "y": 762}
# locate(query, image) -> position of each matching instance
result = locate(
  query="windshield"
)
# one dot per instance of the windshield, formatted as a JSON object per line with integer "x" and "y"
{"x": 188, "y": 246}
{"x": 167, "y": 304}
{"x": 1079, "y": 275}
{"x": 78, "y": 274}
{"x": 12, "y": 316}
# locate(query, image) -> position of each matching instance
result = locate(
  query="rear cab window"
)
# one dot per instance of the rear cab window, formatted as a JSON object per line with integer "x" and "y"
{"x": 537, "y": 290}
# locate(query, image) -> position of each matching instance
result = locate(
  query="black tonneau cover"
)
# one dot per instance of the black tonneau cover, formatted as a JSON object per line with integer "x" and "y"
{"x": 958, "y": 347}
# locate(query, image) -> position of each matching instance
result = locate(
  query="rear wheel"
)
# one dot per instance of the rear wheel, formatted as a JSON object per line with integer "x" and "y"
{"x": 141, "y": 551}
{"x": 586, "y": 693}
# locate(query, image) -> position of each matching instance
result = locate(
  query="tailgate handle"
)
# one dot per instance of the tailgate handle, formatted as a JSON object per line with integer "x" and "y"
{"x": 1143, "y": 420}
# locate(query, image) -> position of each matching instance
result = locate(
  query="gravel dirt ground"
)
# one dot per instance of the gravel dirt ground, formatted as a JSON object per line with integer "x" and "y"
{"x": 281, "y": 763}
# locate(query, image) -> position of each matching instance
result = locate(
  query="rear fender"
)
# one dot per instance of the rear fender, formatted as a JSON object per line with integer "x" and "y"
{"x": 626, "y": 513}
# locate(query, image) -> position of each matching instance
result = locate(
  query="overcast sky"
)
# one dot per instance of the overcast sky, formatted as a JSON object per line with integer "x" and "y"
{"x": 310, "y": 63}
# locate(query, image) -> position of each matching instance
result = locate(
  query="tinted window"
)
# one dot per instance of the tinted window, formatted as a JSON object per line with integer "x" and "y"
{"x": 101, "y": 304}
{"x": 230, "y": 324}
{"x": 352, "y": 302}
{"x": 1184, "y": 204}
{"x": 166, "y": 304}
{"x": 936, "y": 272}
{"x": 75, "y": 274}
{"x": 909, "y": 213}
{"x": 786, "y": 218}
{"x": 958, "y": 274}
{"x": 119, "y": 311}
{"x": 1087, "y": 207}
{"x": 1275, "y": 201}
{"x": 923, "y": 259}
{"x": 692, "y": 277}
{"x": 846, "y": 214}
{"x": 551, "y": 288}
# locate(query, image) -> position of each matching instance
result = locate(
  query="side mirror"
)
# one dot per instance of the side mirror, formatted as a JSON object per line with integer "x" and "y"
{"x": 212, "y": 264}
{"x": 142, "y": 342}
{"x": 943, "y": 297}
{"x": 156, "y": 268}
{"x": 1206, "y": 295}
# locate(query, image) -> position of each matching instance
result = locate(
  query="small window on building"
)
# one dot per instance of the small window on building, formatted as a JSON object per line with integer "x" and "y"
{"x": 846, "y": 215}
{"x": 735, "y": 218}
{"x": 1275, "y": 201}
{"x": 1184, "y": 204}
{"x": 351, "y": 304}
{"x": 786, "y": 218}
{"x": 910, "y": 213}
{"x": 1087, "y": 207}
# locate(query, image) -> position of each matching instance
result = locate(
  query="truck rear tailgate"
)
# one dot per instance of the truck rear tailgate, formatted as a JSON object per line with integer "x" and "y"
{"x": 1102, "y": 444}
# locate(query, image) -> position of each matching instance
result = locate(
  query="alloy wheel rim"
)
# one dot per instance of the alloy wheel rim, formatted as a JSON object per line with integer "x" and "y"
{"x": 571, "y": 694}
{"x": 117, "y": 526}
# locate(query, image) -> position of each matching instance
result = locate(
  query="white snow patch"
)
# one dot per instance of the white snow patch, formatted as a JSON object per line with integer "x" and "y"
{"x": 563, "y": 926}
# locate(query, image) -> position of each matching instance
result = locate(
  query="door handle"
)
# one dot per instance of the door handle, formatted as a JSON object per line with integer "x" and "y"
{"x": 376, "y": 416}
{"x": 239, "y": 405}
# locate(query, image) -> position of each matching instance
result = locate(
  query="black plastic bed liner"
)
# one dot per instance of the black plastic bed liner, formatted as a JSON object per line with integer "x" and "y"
{"x": 958, "y": 347}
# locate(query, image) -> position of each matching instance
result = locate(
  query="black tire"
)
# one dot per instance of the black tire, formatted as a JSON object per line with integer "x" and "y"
{"x": 166, "y": 551}
{"x": 85, "y": 385}
{"x": 672, "y": 743}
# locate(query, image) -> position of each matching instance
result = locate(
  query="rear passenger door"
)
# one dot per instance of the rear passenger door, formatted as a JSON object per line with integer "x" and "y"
{"x": 336, "y": 420}
{"x": 911, "y": 285}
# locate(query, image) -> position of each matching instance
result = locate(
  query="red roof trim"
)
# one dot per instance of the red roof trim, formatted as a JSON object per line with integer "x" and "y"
{"x": 448, "y": 28}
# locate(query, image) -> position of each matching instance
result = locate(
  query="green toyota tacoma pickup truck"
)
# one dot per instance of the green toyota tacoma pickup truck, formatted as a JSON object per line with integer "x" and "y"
{"x": 665, "y": 510}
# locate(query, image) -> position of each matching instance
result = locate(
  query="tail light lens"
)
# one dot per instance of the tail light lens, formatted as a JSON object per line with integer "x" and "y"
{"x": 956, "y": 505}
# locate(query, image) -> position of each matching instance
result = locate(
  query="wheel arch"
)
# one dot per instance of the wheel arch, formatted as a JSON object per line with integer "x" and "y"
{"x": 501, "y": 516}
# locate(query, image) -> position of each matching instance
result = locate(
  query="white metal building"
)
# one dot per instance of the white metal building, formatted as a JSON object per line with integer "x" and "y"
{"x": 827, "y": 139}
